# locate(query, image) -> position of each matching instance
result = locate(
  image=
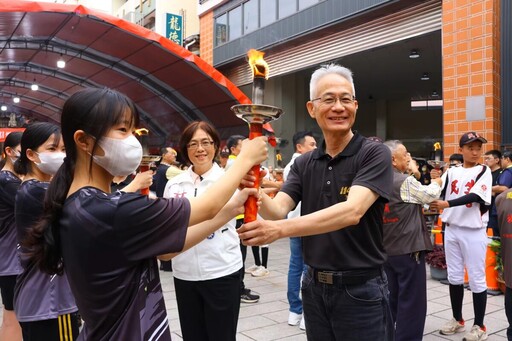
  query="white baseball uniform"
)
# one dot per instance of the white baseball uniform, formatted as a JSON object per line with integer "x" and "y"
{"x": 465, "y": 234}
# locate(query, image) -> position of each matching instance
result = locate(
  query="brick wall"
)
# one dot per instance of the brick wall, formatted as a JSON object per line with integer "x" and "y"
{"x": 206, "y": 31}
{"x": 471, "y": 67}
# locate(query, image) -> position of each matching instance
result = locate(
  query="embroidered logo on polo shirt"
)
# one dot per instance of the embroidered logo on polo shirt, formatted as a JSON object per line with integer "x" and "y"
{"x": 344, "y": 190}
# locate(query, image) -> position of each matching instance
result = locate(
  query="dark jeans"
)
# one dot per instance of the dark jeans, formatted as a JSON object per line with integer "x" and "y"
{"x": 347, "y": 312}
{"x": 295, "y": 270}
{"x": 508, "y": 311}
{"x": 209, "y": 309}
{"x": 407, "y": 295}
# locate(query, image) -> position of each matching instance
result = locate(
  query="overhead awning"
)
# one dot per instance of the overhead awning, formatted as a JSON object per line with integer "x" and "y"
{"x": 170, "y": 85}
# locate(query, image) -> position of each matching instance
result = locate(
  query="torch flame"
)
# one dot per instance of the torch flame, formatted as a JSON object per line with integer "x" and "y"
{"x": 258, "y": 65}
{"x": 437, "y": 146}
{"x": 141, "y": 131}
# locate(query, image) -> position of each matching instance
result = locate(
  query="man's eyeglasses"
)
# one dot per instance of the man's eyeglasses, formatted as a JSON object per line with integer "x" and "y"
{"x": 332, "y": 99}
{"x": 204, "y": 144}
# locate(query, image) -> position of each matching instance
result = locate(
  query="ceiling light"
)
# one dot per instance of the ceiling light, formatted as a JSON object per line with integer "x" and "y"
{"x": 34, "y": 86}
{"x": 414, "y": 54}
{"x": 16, "y": 99}
{"x": 425, "y": 76}
{"x": 3, "y": 107}
{"x": 61, "y": 64}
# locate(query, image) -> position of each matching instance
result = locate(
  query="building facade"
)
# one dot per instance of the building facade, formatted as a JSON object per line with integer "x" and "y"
{"x": 175, "y": 20}
{"x": 425, "y": 71}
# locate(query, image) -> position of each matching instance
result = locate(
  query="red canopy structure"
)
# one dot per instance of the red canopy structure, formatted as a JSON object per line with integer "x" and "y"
{"x": 170, "y": 85}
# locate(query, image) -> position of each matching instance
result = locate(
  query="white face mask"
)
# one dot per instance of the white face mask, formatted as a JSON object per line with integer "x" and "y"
{"x": 50, "y": 162}
{"x": 15, "y": 157}
{"x": 122, "y": 157}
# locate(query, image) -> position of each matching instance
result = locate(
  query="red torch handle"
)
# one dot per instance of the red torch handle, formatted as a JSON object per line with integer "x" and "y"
{"x": 144, "y": 168}
{"x": 251, "y": 205}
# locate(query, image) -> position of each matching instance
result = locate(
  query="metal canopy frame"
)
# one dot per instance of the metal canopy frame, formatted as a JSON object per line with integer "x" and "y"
{"x": 170, "y": 85}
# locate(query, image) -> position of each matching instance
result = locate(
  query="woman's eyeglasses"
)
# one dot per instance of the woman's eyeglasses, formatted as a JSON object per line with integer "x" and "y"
{"x": 204, "y": 144}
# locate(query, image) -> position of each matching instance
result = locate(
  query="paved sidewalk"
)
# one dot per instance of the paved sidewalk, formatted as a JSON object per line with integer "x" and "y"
{"x": 267, "y": 319}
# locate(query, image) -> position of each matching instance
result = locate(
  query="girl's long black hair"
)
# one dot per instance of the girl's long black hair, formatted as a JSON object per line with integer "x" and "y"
{"x": 33, "y": 137}
{"x": 94, "y": 111}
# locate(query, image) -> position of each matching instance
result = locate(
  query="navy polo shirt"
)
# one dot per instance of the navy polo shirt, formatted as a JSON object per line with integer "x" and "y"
{"x": 319, "y": 181}
{"x": 109, "y": 244}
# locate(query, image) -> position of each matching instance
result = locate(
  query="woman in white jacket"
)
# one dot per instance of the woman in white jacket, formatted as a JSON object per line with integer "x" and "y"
{"x": 207, "y": 276}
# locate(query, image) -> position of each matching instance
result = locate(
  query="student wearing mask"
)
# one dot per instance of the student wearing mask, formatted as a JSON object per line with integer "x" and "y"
{"x": 9, "y": 263}
{"x": 44, "y": 304}
{"x": 108, "y": 242}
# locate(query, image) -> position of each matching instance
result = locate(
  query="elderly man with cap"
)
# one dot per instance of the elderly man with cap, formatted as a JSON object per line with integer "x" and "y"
{"x": 466, "y": 198}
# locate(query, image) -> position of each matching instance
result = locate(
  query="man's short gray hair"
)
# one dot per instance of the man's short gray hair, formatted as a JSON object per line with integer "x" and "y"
{"x": 393, "y": 145}
{"x": 328, "y": 69}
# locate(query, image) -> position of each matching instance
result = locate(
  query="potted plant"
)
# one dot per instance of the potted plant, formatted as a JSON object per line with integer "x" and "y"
{"x": 437, "y": 261}
{"x": 495, "y": 246}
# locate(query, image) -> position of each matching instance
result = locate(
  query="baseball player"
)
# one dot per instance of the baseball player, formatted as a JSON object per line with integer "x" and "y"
{"x": 467, "y": 195}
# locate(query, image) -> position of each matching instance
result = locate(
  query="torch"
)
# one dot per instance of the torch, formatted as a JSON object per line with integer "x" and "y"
{"x": 147, "y": 159}
{"x": 256, "y": 114}
{"x": 437, "y": 163}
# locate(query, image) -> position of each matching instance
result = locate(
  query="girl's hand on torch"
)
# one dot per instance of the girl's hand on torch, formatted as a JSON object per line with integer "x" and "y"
{"x": 255, "y": 150}
{"x": 237, "y": 201}
{"x": 141, "y": 180}
{"x": 249, "y": 179}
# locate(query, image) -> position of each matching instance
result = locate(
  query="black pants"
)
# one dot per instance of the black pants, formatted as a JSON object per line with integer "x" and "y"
{"x": 407, "y": 295}
{"x": 7, "y": 284}
{"x": 63, "y": 328}
{"x": 243, "y": 250}
{"x": 209, "y": 309}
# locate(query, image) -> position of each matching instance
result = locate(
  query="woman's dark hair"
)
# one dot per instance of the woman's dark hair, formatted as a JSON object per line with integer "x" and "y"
{"x": 33, "y": 137}
{"x": 95, "y": 111}
{"x": 189, "y": 132}
{"x": 12, "y": 140}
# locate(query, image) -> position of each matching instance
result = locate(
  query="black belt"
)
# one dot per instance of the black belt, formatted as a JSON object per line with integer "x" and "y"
{"x": 350, "y": 277}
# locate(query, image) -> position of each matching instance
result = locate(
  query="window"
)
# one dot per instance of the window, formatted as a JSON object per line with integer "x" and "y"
{"x": 287, "y": 8}
{"x": 267, "y": 12}
{"x": 235, "y": 23}
{"x": 306, "y": 3}
{"x": 250, "y": 16}
{"x": 221, "y": 30}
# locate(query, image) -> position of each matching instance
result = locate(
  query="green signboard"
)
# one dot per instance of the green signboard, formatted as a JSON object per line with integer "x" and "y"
{"x": 174, "y": 28}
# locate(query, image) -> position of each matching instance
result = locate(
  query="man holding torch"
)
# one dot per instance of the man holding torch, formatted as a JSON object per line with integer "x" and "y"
{"x": 343, "y": 186}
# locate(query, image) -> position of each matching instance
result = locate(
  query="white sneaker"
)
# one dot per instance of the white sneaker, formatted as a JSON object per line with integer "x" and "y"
{"x": 476, "y": 334}
{"x": 294, "y": 319}
{"x": 252, "y": 268}
{"x": 260, "y": 272}
{"x": 451, "y": 327}
{"x": 302, "y": 324}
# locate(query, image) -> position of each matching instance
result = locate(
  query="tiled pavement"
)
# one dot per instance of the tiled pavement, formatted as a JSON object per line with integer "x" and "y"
{"x": 267, "y": 319}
